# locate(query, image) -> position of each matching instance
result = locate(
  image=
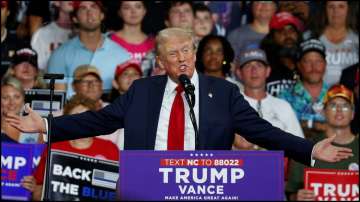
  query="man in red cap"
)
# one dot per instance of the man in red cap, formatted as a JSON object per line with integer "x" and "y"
{"x": 125, "y": 75}
{"x": 281, "y": 46}
{"x": 339, "y": 111}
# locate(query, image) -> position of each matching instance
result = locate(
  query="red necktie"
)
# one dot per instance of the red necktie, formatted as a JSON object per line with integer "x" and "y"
{"x": 177, "y": 122}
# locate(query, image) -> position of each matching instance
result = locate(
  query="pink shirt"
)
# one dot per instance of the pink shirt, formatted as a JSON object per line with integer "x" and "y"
{"x": 137, "y": 51}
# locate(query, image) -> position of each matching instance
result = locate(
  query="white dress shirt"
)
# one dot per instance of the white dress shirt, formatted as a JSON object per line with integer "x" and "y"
{"x": 164, "y": 117}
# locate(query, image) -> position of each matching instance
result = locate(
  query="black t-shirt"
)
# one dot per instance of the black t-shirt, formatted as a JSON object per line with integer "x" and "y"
{"x": 348, "y": 77}
{"x": 280, "y": 78}
{"x": 41, "y": 9}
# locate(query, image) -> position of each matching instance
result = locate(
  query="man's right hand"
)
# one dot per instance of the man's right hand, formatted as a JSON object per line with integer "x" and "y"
{"x": 305, "y": 195}
{"x": 32, "y": 123}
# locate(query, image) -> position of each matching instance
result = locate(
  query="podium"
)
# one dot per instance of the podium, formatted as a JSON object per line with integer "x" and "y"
{"x": 201, "y": 175}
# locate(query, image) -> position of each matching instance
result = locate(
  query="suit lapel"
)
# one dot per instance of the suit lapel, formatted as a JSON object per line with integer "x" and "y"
{"x": 155, "y": 98}
{"x": 203, "y": 108}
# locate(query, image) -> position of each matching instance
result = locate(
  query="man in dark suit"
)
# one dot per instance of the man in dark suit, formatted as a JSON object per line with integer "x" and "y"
{"x": 155, "y": 116}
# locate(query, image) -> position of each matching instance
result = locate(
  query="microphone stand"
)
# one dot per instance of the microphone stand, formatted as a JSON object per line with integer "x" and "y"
{"x": 192, "y": 115}
{"x": 52, "y": 78}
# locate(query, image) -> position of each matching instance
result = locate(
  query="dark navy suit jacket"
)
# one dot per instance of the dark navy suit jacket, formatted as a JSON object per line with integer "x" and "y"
{"x": 220, "y": 116}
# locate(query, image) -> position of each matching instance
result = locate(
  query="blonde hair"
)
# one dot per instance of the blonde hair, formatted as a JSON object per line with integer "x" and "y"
{"x": 13, "y": 82}
{"x": 169, "y": 33}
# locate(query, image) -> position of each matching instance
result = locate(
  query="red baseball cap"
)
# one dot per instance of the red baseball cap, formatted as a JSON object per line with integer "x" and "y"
{"x": 280, "y": 20}
{"x": 4, "y": 3}
{"x": 131, "y": 63}
{"x": 76, "y": 4}
{"x": 339, "y": 90}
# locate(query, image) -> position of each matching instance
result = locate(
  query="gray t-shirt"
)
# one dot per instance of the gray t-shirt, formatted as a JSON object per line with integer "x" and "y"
{"x": 339, "y": 56}
{"x": 243, "y": 36}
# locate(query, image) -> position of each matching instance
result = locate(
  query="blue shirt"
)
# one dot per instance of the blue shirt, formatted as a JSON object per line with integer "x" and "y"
{"x": 73, "y": 53}
{"x": 303, "y": 104}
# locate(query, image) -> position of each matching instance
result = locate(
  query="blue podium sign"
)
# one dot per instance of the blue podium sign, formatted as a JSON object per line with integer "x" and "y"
{"x": 201, "y": 175}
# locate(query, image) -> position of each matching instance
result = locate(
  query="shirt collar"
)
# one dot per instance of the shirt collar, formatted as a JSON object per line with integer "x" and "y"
{"x": 171, "y": 85}
{"x": 255, "y": 100}
{"x": 300, "y": 90}
{"x": 104, "y": 44}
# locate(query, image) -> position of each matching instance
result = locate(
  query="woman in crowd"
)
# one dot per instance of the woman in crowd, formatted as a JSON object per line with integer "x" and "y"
{"x": 12, "y": 101}
{"x": 336, "y": 28}
{"x": 214, "y": 56}
{"x": 131, "y": 35}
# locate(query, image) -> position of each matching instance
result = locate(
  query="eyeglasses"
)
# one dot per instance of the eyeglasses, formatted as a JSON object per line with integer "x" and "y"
{"x": 342, "y": 107}
{"x": 89, "y": 82}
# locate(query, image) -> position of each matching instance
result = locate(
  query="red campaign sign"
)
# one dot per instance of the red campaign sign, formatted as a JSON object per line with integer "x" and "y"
{"x": 332, "y": 185}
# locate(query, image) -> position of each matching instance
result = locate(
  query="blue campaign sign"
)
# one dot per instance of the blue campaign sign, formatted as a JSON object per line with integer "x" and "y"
{"x": 201, "y": 175}
{"x": 16, "y": 162}
{"x": 38, "y": 149}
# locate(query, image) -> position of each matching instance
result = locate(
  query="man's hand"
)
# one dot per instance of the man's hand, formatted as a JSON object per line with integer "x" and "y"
{"x": 29, "y": 183}
{"x": 241, "y": 143}
{"x": 305, "y": 195}
{"x": 32, "y": 123}
{"x": 325, "y": 151}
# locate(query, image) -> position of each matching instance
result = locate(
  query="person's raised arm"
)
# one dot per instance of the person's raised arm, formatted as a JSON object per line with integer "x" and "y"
{"x": 86, "y": 124}
{"x": 257, "y": 130}
{"x": 325, "y": 151}
{"x": 32, "y": 123}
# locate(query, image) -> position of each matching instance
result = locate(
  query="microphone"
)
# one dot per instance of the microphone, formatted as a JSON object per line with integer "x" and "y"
{"x": 53, "y": 76}
{"x": 189, "y": 88}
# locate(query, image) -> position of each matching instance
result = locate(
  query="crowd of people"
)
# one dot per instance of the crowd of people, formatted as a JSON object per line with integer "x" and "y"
{"x": 295, "y": 62}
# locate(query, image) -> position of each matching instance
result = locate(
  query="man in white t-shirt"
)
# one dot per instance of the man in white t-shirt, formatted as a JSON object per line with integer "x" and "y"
{"x": 46, "y": 39}
{"x": 253, "y": 69}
